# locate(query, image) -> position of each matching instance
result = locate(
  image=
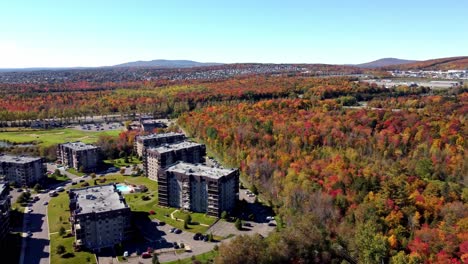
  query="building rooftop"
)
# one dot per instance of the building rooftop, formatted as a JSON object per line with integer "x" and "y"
{"x": 200, "y": 170}
{"x": 174, "y": 146}
{"x": 161, "y": 135}
{"x": 98, "y": 199}
{"x": 17, "y": 159}
{"x": 152, "y": 122}
{"x": 78, "y": 146}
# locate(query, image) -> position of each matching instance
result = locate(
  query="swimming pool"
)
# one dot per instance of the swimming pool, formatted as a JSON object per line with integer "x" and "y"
{"x": 124, "y": 188}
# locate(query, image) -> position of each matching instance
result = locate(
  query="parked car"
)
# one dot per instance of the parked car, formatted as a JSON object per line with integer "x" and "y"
{"x": 73, "y": 183}
{"x": 172, "y": 230}
{"x": 60, "y": 189}
{"x": 175, "y": 245}
{"x": 45, "y": 203}
{"x": 269, "y": 218}
{"x": 178, "y": 231}
{"x": 161, "y": 223}
{"x": 272, "y": 224}
{"x": 29, "y": 233}
{"x": 197, "y": 236}
{"x": 205, "y": 238}
{"x": 146, "y": 255}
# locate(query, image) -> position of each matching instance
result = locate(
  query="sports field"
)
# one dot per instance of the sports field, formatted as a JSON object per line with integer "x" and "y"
{"x": 54, "y": 136}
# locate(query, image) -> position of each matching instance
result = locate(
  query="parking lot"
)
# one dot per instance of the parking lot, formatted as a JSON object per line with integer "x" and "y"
{"x": 161, "y": 239}
{"x": 100, "y": 126}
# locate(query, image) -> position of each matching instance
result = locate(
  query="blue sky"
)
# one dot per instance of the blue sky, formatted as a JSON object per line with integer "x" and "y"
{"x": 102, "y": 32}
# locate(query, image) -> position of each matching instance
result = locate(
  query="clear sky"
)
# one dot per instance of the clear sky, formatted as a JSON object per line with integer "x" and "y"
{"x": 48, "y": 33}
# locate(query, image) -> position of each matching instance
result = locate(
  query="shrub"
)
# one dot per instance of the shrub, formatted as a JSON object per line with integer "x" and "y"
{"x": 62, "y": 231}
{"x": 60, "y": 249}
{"x": 238, "y": 224}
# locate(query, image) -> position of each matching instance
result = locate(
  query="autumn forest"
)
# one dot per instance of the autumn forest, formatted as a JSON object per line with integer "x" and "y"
{"x": 356, "y": 173}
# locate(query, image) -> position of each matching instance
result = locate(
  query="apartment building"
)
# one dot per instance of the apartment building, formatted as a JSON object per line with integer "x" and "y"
{"x": 79, "y": 156}
{"x": 5, "y": 206}
{"x": 100, "y": 217}
{"x": 168, "y": 154}
{"x": 154, "y": 140}
{"x": 22, "y": 170}
{"x": 151, "y": 125}
{"x": 198, "y": 188}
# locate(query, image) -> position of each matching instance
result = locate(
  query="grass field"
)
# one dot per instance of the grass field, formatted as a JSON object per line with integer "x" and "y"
{"x": 207, "y": 257}
{"x": 73, "y": 171}
{"x": 57, "y": 209}
{"x": 70, "y": 256}
{"x": 53, "y": 136}
{"x": 121, "y": 162}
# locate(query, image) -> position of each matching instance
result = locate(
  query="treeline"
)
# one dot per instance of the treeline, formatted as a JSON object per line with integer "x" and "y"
{"x": 29, "y": 102}
{"x": 375, "y": 185}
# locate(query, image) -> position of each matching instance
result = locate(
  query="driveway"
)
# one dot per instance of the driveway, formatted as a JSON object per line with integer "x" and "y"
{"x": 224, "y": 229}
{"x": 161, "y": 239}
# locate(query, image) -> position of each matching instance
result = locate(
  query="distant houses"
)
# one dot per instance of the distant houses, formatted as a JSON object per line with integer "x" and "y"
{"x": 79, "y": 156}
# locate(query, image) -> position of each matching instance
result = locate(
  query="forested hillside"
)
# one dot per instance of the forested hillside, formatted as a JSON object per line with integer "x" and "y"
{"x": 356, "y": 184}
{"x": 161, "y": 98}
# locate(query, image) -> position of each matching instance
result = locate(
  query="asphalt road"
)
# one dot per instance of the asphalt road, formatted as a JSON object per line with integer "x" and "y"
{"x": 37, "y": 247}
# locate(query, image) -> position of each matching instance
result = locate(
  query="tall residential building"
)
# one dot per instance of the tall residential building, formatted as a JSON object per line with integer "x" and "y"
{"x": 22, "y": 170}
{"x": 79, "y": 156}
{"x": 100, "y": 216}
{"x": 168, "y": 154}
{"x": 5, "y": 206}
{"x": 198, "y": 188}
{"x": 154, "y": 140}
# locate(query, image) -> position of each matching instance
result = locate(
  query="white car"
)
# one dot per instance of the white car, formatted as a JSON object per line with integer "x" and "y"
{"x": 30, "y": 210}
{"x": 270, "y": 218}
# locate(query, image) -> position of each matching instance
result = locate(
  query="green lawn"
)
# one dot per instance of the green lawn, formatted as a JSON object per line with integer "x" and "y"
{"x": 121, "y": 162}
{"x": 203, "y": 258}
{"x": 197, "y": 218}
{"x": 70, "y": 257}
{"x": 54, "y": 136}
{"x": 57, "y": 209}
{"x": 77, "y": 173}
{"x": 53, "y": 179}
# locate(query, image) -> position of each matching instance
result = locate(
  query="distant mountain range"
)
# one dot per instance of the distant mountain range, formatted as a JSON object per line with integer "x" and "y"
{"x": 384, "y": 62}
{"x": 452, "y": 63}
{"x": 167, "y": 64}
{"x": 381, "y": 64}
